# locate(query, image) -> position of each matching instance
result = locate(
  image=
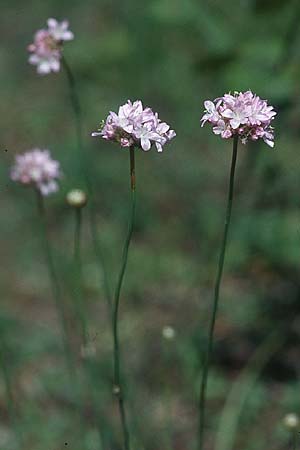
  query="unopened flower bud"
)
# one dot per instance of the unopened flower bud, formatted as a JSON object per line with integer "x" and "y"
{"x": 116, "y": 390}
{"x": 76, "y": 198}
{"x": 168, "y": 333}
{"x": 291, "y": 422}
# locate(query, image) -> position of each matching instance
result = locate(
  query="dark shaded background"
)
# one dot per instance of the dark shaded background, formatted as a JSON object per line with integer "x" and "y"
{"x": 173, "y": 55}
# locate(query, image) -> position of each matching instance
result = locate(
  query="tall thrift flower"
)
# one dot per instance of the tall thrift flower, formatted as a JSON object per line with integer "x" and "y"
{"x": 134, "y": 126}
{"x": 242, "y": 114}
{"x": 246, "y": 117}
{"x": 46, "y": 50}
{"x": 36, "y": 168}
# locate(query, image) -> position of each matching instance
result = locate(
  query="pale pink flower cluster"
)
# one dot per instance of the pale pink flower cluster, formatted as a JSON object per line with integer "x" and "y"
{"x": 137, "y": 126}
{"x": 36, "y": 168}
{"x": 46, "y": 49}
{"x": 243, "y": 114}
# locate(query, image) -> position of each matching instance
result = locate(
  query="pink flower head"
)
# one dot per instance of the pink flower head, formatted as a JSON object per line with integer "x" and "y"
{"x": 135, "y": 125}
{"x": 243, "y": 114}
{"x": 36, "y": 168}
{"x": 46, "y": 50}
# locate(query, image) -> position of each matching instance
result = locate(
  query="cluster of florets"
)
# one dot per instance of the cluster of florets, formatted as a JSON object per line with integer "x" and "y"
{"x": 46, "y": 49}
{"x": 137, "y": 126}
{"x": 37, "y": 169}
{"x": 243, "y": 114}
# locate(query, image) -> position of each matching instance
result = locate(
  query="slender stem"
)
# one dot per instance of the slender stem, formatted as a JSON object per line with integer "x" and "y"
{"x": 167, "y": 395}
{"x": 88, "y": 386}
{"x": 241, "y": 388}
{"x": 6, "y": 376}
{"x": 11, "y": 406}
{"x": 118, "y": 388}
{"x": 132, "y": 170}
{"x": 203, "y": 387}
{"x": 82, "y": 159}
{"x": 82, "y": 166}
{"x": 75, "y": 105}
{"x": 294, "y": 439}
{"x": 54, "y": 280}
{"x": 289, "y": 36}
{"x": 77, "y": 234}
{"x": 100, "y": 259}
{"x": 78, "y": 274}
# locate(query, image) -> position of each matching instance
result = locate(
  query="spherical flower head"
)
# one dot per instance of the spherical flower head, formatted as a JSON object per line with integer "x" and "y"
{"x": 243, "y": 114}
{"x": 36, "y": 168}
{"x": 76, "y": 198}
{"x": 45, "y": 53}
{"x": 135, "y": 126}
{"x": 291, "y": 422}
{"x": 168, "y": 333}
{"x": 46, "y": 50}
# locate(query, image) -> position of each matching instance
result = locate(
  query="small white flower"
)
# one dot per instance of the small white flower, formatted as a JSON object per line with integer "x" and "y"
{"x": 211, "y": 113}
{"x": 59, "y": 30}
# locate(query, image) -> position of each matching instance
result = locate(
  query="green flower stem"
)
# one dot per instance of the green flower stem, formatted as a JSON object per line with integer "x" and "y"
{"x": 167, "y": 352}
{"x": 11, "y": 406}
{"x": 89, "y": 385}
{"x": 101, "y": 260}
{"x": 240, "y": 391}
{"x": 54, "y": 281}
{"x": 75, "y": 106}
{"x": 78, "y": 276}
{"x": 6, "y": 377}
{"x": 203, "y": 386}
{"x": 83, "y": 168}
{"x": 60, "y": 307}
{"x": 118, "y": 385}
{"x": 294, "y": 438}
{"x": 82, "y": 159}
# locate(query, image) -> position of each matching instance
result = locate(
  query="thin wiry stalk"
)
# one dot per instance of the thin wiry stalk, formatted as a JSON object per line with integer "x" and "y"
{"x": 294, "y": 438}
{"x": 101, "y": 260}
{"x": 11, "y": 406}
{"x": 207, "y": 358}
{"x": 78, "y": 276}
{"x": 241, "y": 389}
{"x": 82, "y": 319}
{"x": 118, "y": 384}
{"x": 82, "y": 161}
{"x": 62, "y": 316}
{"x": 76, "y": 109}
{"x": 56, "y": 290}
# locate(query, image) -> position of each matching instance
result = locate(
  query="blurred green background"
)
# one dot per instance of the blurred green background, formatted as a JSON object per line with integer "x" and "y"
{"x": 172, "y": 54}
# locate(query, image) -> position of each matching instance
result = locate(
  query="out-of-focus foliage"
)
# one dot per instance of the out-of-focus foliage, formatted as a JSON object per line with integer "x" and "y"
{"x": 172, "y": 54}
